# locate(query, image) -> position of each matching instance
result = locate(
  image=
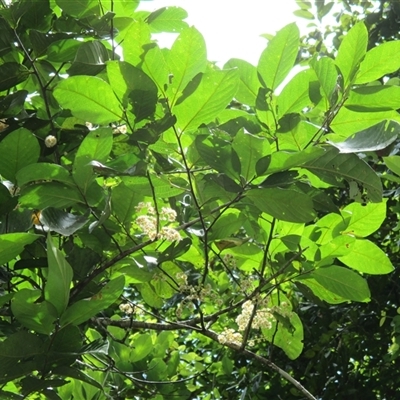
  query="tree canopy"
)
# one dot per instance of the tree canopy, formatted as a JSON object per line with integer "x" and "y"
{"x": 170, "y": 229}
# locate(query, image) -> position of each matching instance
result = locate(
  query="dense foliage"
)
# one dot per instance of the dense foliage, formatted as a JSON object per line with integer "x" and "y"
{"x": 173, "y": 230}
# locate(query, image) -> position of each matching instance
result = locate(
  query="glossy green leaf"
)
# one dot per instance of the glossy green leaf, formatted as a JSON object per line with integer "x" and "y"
{"x": 63, "y": 222}
{"x": 375, "y": 138}
{"x": 43, "y": 172}
{"x": 327, "y": 75}
{"x": 336, "y": 166}
{"x": 186, "y": 59}
{"x": 336, "y": 285}
{"x": 374, "y": 98}
{"x": 51, "y": 194}
{"x": 284, "y": 204}
{"x": 378, "y": 62}
{"x": 279, "y": 57}
{"x": 85, "y": 309}
{"x": 12, "y": 244}
{"x": 90, "y": 59}
{"x": 39, "y": 317}
{"x": 295, "y": 95}
{"x": 168, "y": 19}
{"x": 367, "y": 257}
{"x": 11, "y": 74}
{"x": 213, "y": 94}
{"x": 351, "y": 52}
{"x": 96, "y": 146}
{"x": 59, "y": 278}
{"x": 250, "y": 149}
{"x": 363, "y": 220}
{"x": 18, "y": 149}
{"x": 248, "y": 81}
{"x": 304, "y": 14}
{"x": 89, "y": 98}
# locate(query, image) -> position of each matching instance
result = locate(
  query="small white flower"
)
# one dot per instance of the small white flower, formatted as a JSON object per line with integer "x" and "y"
{"x": 50, "y": 141}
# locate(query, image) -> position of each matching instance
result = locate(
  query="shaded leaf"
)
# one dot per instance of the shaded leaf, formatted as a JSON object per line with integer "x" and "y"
{"x": 63, "y": 222}
{"x": 12, "y": 244}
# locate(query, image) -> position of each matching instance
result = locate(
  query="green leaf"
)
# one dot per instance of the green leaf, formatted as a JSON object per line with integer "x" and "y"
{"x": 227, "y": 225}
{"x": 156, "y": 67}
{"x": 337, "y": 247}
{"x": 375, "y": 138}
{"x": 284, "y": 204}
{"x": 215, "y": 91}
{"x": 248, "y": 81}
{"x": 351, "y": 52}
{"x": 77, "y": 374}
{"x": 18, "y": 149}
{"x": 12, "y": 244}
{"x": 279, "y": 57}
{"x": 136, "y": 38}
{"x": 96, "y": 146}
{"x": 336, "y": 166}
{"x": 150, "y": 296}
{"x": 374, "y": 98}
{"x": 16, "y": 353}
{"x": 219, "y": 154}
{"x": 12, "y": 104}
{"x": 85, "y": 309}
{"x": 378, "y": 62}
{"x": 393, "y": 163}
{"x": 364, "y": 219}
{"x": 89, "y": 98}
{"x": 129, "y": 82}
{"x": 327, "y": 75}
{"x": 62, "y": 222}
{"x": 63, "y": 50}
{"x": 168, "y": 19}
{"x": 43, "y": 172}
{"x": 284, "y": 160}
{"x": 162, "y": 186}
{"x": 304, "y": 14}
{"x": 186, "y": 59}
{"x": 90, "y": 59}
{"x": 79, "y": 8}
{"x": 59, "y": 278}
{"x": 39, "y": 317}
{"x": 288, "y": 336}
{"x": 336, "y": 285}
{"x": 367, "y": 257}
{"x": 250, "y": 150}
{"x": 11, "y": 74}
{"x": 294, "y": 96}
{"x": 51, "y": 194}
{"x": 347, "y": 122}
{"x": 143, "y": 346}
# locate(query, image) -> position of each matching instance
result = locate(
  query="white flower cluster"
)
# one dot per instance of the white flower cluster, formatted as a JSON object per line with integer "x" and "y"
{"x": 126, "y": 308}
{"x": 230, "y": 336}
{"x": 229, "y": 260}
{"x": 122, "y": 129}
{"x": 262, "y": 319}
{"x": 148, "y": 223}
